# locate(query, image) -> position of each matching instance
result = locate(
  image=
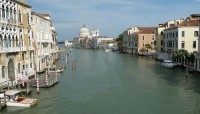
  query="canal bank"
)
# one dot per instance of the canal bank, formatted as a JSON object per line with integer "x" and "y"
{"x": 115, "y": 83}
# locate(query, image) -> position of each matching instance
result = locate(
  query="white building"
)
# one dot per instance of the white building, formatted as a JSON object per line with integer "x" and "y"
{"x": 128, "y": 43}
{"x": 100, "y": 40}
{"x": 197, "y": 54}
{"x": 69, "y": 43}
{"x": 182, "y": 36}
{"x": 43, "y": 41}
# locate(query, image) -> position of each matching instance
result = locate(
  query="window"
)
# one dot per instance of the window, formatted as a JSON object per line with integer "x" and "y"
{"x": 20, "y": 19}
{"x": 154, "y": 42}
{"x": 194, "y": 44}
{"x": 143, "y": 37}
{"x": 183, "y": 33}
{"x": 22, "y": 56}
{"x": 18, "y": 67}
{"x": 176, "y": 34}
{"x": 196, "y": 33}
{"x": 30, "y": 65}
{"x": 183, "y": 44}
{"x": 3, "y": 12}
{"x": 3, "y": 71}
{"x": 161, "y": 42}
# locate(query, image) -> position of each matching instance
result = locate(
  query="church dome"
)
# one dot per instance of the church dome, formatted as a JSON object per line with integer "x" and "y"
{"x": 84, "y": 31}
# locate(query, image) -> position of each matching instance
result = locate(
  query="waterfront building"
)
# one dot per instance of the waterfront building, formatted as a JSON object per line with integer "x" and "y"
{"x": 16, "y": 49}
{"x": 100, "y": 42}
{"x": 146, "y": 35}
{"x": 85, "y": 39}
{"x": 45, "y": 41}
{"x": 197, "y": 54}
{"x": 135, "y": 39}
{"x": 182, "y": 35}
{"x": 159, "y": 38}
{"x": 128, "y": 45}
{"x": 69, "y": 43}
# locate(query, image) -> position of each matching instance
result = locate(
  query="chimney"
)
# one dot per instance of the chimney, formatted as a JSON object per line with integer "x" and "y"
{"x": 23, "y": 1}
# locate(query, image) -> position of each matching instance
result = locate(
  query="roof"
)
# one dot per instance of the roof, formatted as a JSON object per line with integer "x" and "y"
{"x": 195, "y": 15}
{"x": 40, "y": 15}
{"x": 21, "y": 3}
{"x": 189, "y": 23}
{"x": 147, "y": 30}
{"x": 12, "y": 92}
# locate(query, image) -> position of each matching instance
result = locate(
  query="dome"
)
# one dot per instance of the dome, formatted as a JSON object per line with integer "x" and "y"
{"x": 84, "y": 31}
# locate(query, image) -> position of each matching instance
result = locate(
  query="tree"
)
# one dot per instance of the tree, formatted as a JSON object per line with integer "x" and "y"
{"x": 119, "y": 38}
{"x": 148, "y": 46}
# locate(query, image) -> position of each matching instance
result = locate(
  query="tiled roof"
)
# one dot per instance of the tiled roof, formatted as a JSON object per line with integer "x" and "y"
{"x": 147, "y": 30}
{"x": 189, "y": 23}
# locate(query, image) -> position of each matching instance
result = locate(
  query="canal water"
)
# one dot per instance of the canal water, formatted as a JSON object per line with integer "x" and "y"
{"x": 115, "y": 83}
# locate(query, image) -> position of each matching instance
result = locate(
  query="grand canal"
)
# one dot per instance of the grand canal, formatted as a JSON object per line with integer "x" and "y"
{"x": 114, "y": 83}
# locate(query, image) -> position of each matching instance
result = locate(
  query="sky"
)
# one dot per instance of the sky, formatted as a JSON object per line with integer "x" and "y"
{"x": 111, "y": 17}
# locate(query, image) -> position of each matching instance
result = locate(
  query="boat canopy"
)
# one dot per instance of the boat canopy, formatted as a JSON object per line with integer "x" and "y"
{"x": 12, "y": 92}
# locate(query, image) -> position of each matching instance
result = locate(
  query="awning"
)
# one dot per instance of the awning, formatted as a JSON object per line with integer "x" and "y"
{"x": 12, "y": 92}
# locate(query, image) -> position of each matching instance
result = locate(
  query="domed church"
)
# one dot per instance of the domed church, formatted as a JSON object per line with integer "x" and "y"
{"x": 84, "y": 32}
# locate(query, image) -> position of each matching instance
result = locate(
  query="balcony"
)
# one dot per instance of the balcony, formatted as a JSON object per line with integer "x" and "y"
{"x": 31, "y": 48}
{"x": 7, "y": 21}
{"x": 9, "y": 50}
{"x": 23, "y": 48}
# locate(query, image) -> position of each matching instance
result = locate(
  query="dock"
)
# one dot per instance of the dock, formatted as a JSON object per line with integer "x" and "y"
{"x": 2, "y": 100}
{"x": 52, "y": 80}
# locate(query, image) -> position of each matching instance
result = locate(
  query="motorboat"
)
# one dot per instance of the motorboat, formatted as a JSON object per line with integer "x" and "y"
{"x": 167, "y": 63}
{"x": 107, "y": 50}
{"x": 13, "y": 99}
{"x": 57, "y": 71}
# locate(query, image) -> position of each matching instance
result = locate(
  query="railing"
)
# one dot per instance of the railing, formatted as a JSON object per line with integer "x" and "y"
{"x": 7, "y": 21}
{"x": 23, "y": 48}
{"x": 31, "y": 48}
{"x": 9, "y": 49}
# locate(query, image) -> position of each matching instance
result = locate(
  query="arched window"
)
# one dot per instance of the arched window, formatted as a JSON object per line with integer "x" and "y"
{"x": 18, "y": 67}
{"x": 3, "y": 11}
{"x": 20, "y": 19}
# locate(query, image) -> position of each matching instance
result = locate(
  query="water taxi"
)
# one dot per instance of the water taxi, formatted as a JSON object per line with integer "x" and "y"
{"x": 167, "y": 64}
{"x": 13, "y": 99}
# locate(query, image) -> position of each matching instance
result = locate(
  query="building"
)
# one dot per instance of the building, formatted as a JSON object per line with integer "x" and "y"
{"x": 197, "y": 54}
{"x": 85, "y": 39}
{"x": 100, "y": 42}
{"x": 128, "y": 45}
{"x": 16, "y": 49}
{"x": 135, "y": 39}
{"x": 69, "y": 43}
{"x": 45, "y": 41}
{"x": 182, "y": 35}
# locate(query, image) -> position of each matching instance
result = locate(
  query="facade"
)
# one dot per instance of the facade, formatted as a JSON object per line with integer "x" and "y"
{"x": 135, "y": 39}
{"x": 101, "y": 40}
{"x": 16, "y": 51}
{"x": 69, "y": 43}
{"x": 128, "y": 45}
{"x": 146, "y": 36}
{"x": 159, "y": 38}
{"x": 45, "y": 39}
{"x": 182, "y": 36}
{"x": 197, "y": 54}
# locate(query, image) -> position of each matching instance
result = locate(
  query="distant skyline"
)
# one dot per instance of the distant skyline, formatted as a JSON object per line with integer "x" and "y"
{"x": 111, "y": 17}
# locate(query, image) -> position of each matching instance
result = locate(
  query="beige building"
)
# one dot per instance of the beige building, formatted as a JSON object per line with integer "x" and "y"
{"x": 45, "y": 41}
{"x": 16, "y": 50}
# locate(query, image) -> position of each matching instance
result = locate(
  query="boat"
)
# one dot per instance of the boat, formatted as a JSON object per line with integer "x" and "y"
{"x": 57, "y": 71}
{"x": 13, "y": 99}
{"x": 107, "y": 50}
{"x": 167, "y": 64}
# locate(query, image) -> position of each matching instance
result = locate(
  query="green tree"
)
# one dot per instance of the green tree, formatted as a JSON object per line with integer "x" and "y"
{"x": 119, "y": 38}
{"x": 148, "y": 46}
